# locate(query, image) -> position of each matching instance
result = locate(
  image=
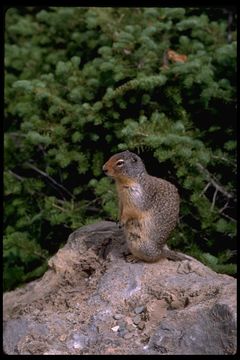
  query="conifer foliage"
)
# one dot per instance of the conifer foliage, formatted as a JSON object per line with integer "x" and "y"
{"x": 84, "y": 83}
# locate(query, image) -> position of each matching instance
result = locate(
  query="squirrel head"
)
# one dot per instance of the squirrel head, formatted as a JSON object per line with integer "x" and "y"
{"x": 124, "y": 167}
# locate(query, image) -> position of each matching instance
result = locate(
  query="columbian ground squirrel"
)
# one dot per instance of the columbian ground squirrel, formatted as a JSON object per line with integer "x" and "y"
{"x": 148, "y": 207}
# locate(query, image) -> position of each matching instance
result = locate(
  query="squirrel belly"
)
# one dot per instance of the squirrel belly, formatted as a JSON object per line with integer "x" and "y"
{"x": 135, "y": 221}
{"x": 148, "y": 207}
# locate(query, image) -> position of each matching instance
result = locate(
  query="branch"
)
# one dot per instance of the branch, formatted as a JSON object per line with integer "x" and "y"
{"x": 228, "y": 217}
{"x": 16, "y": 175}
{"x": 225, "y": 215}
{"x": 224, "y": 207}
{"x": 214, "y": 199}
{"x": 59, "y": 207}
{"x": 165, "y": 60}
{"x": 217, "y": 186}
{"x": 12, "y": 133}
{"x": 49, "y": 178}
{"x": 205, "y": 189}
{"x": 222, "y": 158}
{"x": 229, "y": 25}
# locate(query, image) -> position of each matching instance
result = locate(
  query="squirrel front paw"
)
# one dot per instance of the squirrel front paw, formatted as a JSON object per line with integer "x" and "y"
{"x": 119, "y": 224}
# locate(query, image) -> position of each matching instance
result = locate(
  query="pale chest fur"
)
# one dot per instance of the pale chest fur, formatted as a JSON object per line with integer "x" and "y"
{"x": 130, "y": 201}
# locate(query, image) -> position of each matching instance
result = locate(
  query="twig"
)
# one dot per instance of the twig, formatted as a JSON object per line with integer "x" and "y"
{"x": 35, "y": 252}
{"x": 229, "y": 25}
{"x": 219, "y": 187}
{"x": 12, "y": 133}
{"x": 214, "y": 199}
{"x": 224, "y": 207}
{"x": 224, "y": 159}
{"x": 16, "y": 175}
{"x": 59, "y": 207}
{"x": 229, "y": 217}
{"x": 205, "y": 189}
{"x": 225, "y": 215}
{"x": 165, "y": 59}
{"x": 49, "y": 178}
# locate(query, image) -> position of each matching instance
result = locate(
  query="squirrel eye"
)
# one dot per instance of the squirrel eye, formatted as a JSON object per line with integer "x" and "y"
{"x": 134, "y": 159}
{"x": 120, "y": 162}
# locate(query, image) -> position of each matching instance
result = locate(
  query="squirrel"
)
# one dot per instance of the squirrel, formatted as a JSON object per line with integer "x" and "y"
{"x": 148, "y": 208}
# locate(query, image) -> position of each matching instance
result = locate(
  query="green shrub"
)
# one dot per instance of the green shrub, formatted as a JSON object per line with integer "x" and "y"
{"x": 84, "y": 83}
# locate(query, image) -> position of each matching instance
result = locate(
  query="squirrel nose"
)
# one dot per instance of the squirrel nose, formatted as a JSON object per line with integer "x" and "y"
{"x": 105, "y": 169}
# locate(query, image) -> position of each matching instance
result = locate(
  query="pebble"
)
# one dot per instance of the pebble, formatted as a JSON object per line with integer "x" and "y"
{"x": 117, "y": 316}
{"x": 128, "y": 336}
{"x": 77, "y": 345}
{"x": 36, "y": 311}
{"x": 176, "y": 304}
{"x": 63, "y": 337}
{"x": 141, "y": 325}
{"x": 115, "y": 328}
{"x": 131, "y": 327}
{"x": 136, "y": 319}
{"x": 122, "y": 332}
{"x": 139, "y": 309}
{"x": 122, "y": 325}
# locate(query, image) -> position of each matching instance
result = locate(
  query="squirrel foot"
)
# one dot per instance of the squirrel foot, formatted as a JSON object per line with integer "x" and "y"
{"x": 130, "y": 258}
{"x": 119, "y": 224}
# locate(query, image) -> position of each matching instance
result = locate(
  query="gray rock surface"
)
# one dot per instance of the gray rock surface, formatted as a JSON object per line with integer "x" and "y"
{"x": 88, "y": 301}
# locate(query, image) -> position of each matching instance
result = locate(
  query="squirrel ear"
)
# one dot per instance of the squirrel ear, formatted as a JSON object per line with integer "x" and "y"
{"x": 134, "y": 158}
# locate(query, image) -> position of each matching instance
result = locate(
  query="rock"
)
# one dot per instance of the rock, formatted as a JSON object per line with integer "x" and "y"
{"x": 122, "y": 324}
{"x": 136, "y": 319}
{"x": 71, "y": 310}
{"x": 196, "y": 338}
{"x": 131, "y": 327}
{"x": 117, "y": 316}
{"x": 141, "y": 325}
{"x": 115, "y": 328}
{"x": 128, "y": 335}
{"x": 122, "y": 328}
{"x": 79, "y": 341}
{"x": 139, "y": 309}
{"x": 122, "y": 332}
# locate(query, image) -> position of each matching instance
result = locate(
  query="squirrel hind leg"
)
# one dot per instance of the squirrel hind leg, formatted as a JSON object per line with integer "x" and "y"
{"x": 130, "y": 258}
{"x": 173, "y": 255}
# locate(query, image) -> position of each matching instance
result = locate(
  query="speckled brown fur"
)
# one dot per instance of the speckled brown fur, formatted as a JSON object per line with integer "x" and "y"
{"x": 148, "y": 207}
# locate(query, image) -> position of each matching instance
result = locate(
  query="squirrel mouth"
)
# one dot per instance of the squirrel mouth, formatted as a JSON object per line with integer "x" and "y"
{"x": 106, "y": 171}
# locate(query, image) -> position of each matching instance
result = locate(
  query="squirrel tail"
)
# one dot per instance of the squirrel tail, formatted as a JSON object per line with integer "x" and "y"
{"x": 173, "y": 255}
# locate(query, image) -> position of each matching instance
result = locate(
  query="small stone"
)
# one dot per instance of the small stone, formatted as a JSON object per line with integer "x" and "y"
{"x": 92, "y": 340}
{"x": 36, "y": 312}
{"x": 122, "y": 332}
{"x": 63, "y": 337}
{"x": 77, "y": 345}
{"x": 122, "y": 324}
{"x": 131, "y": 327}
{"x": 139, "y": 309}
{"x": 115, "y": 328}
{"x": 141, "y": 325}
{"x": 128, "y": 335}
{"x": 176, "y": 304}
{"x": 117, "y": 316}
{"x": 136, "y": 319}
